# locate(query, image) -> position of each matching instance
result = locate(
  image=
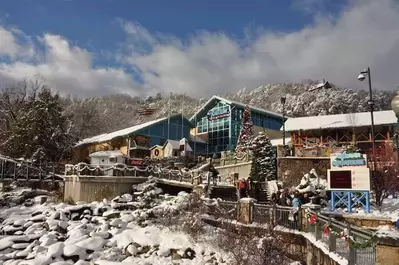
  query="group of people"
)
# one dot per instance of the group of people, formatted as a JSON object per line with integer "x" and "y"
{"x": 292, "y": 198}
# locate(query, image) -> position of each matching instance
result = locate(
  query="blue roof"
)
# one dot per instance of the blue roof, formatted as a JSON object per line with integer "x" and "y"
{"x": 208, "y": 105}
{"x": 126, "y": 132}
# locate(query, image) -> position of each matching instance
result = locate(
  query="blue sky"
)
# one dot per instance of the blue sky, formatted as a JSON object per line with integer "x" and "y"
{"x": 94, "y": 24}
{"x": 185, "y": 46}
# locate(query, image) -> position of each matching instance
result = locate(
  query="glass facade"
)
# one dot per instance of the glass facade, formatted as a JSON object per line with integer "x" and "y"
{"x": 223, "y": 125}
{"x": 217, "y": 124}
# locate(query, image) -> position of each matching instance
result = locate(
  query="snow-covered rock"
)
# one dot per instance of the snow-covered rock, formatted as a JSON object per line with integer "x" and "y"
{"x": 109, "y": 232}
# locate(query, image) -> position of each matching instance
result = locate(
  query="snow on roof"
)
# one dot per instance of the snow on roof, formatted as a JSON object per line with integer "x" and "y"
{"x": 233, "y": 102}
{"x": 175, "y": 144}
{"x": 107, "y": 154}
{"x": 109, "y": 136}
{"x": 188, "y": 148}
{"x": 279, "y": 141}
{"x": 361, "y": 119}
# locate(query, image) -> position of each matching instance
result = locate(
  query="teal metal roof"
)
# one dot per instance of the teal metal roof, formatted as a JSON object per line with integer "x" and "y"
{"x": 127, "y": 132}
{"x": 210, "y": 103}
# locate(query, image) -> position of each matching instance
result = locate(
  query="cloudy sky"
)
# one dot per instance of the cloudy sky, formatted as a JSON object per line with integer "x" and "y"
{"x": 98, "y": 47}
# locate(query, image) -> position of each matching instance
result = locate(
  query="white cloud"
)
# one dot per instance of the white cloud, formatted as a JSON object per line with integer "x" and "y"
{"x": 66, "y": 68}
{"x": 10, "y": 46}
{"x": 365, "y": 34}
{"x": 335, "y": 48}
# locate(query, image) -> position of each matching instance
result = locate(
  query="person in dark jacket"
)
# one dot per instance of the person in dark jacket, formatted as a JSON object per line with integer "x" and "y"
{"x": 273, "y": 198}
{"x": 278, "y": 194}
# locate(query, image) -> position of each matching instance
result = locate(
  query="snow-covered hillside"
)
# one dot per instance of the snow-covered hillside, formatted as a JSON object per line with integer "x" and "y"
{"x": 97, "y": 115}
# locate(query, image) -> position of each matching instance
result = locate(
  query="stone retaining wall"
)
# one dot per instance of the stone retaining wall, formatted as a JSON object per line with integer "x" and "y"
{"x": 290, "y": 170}
{"x": 365, "y": 221}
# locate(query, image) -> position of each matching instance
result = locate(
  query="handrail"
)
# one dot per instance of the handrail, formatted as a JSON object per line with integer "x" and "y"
{"x": 360, "y": 232}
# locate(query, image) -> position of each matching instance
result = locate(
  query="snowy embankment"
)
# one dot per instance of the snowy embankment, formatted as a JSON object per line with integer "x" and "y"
{"x": 122, "y": 231}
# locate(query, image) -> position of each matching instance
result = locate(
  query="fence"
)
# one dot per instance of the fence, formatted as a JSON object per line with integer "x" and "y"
{"x": 124, "y": 170}
{"x": 222, "y": 209}
{"x": 353, "y": 243}
{"x": 19, "y": 170}
{"x": 278, "y": 215}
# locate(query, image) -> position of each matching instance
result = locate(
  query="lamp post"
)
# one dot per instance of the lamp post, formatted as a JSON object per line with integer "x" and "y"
{"x": 361, "y": 77}
{"x": 395, "y": 108}
{"x": 283, "y": 100}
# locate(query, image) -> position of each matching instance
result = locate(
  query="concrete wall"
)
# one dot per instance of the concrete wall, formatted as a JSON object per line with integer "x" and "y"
{"x": 290, "y": 170}
{"x": 95, "y": 188}
{"x": 242, "y": 169}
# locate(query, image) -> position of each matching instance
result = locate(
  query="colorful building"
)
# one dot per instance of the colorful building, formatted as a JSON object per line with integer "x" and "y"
{"x": 136, "y": 141}
{"x": 214, "y": 128}
{"x": 320, "y": 136}
{"x": 218, "y": 123}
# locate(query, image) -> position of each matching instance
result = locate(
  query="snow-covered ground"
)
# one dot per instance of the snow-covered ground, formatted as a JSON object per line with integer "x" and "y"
{"x": 121, "y": 231}
{"x": 389, "y": 210}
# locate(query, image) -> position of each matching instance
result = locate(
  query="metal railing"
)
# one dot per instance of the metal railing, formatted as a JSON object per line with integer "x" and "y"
{"x": 83, "y": 169}
{"x": 355, "y": 244}
{"x": 222, "y": 209}
{"x": 351, "y": 242}
{"x": 20, "y": 170}
{"x": 277, "y": 215}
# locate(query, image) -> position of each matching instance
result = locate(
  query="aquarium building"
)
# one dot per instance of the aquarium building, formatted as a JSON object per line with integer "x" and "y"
{"x": 218, "y": 123}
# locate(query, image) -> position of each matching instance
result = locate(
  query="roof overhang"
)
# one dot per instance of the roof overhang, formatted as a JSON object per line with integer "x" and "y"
{"x": 207, "y": 106}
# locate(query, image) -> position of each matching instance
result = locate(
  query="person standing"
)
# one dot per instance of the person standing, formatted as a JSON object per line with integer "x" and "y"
{"x": 296, "y": 205}
{"x": 242, "y": 189}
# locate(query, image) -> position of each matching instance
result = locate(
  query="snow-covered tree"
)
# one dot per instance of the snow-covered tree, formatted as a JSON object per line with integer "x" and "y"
{"x": 264, "y": 161}
{"x": 41, "y": 132}
{"x": 247, "y": 132}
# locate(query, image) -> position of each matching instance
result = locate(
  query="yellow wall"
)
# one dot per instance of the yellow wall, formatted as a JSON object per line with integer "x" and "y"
{"x": 160, "y": 151}
{"x": 81, "y": 153}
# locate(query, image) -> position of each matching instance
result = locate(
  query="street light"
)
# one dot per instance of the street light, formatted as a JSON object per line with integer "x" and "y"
{"x": 362, "y": 76}
{"x": 283, "y": 100}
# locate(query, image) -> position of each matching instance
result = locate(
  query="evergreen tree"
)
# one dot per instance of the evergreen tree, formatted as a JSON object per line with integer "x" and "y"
{"x": 247, "y": 132}
{"x": 41, "y": 131}
{"x": 264, "y": 161}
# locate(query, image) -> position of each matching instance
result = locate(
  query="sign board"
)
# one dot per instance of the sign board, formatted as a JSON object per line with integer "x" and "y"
{"x": 136, "y": 162}
{"x": 143, "y": 141}
{"x": 348, "y": 160}
{"x": 218, "y": 113}
{"x": 351, "y": 179}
